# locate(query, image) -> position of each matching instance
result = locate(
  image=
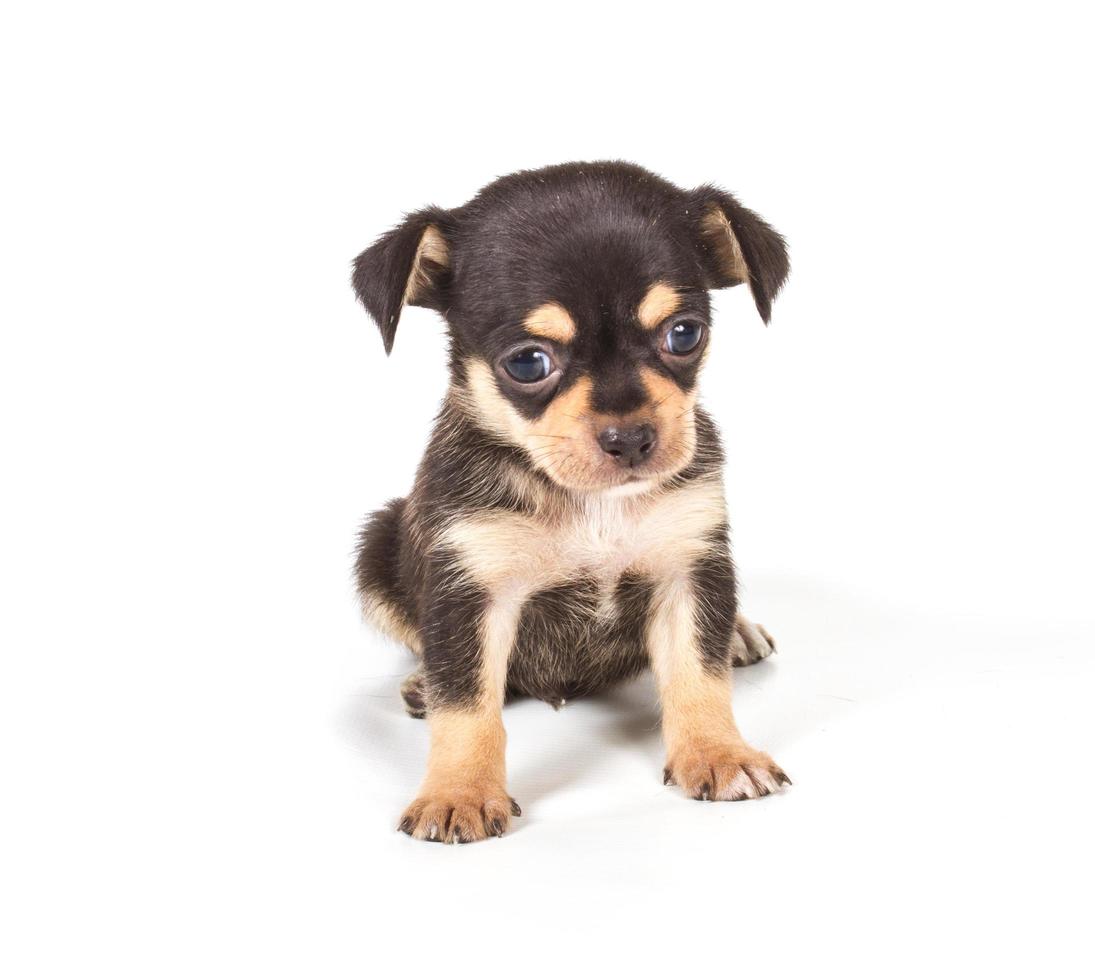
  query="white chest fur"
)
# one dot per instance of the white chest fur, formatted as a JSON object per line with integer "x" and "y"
{"x": 598, "y": 537}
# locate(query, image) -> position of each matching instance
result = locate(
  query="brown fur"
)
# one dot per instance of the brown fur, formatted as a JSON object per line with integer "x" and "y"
{"x": 567, "y": 527}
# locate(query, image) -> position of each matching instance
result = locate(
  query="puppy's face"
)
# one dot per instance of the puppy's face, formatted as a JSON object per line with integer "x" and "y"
{"x": 577, "y": 303}
{"x": 596, "y": 381}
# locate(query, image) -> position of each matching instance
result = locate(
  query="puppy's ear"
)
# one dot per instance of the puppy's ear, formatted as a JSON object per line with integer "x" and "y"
{"x": 408, "y": 265}
{"x": 738, "y": 245}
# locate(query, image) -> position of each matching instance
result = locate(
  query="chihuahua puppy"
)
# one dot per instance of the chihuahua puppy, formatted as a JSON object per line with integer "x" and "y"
{"x": 567, "y": 526}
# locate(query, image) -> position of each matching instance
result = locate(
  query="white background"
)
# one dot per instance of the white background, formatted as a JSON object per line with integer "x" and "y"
{"x": 204, "y": 753}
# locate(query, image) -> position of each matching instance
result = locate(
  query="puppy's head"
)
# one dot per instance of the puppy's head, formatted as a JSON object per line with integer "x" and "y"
{"x": 576, "y": 299}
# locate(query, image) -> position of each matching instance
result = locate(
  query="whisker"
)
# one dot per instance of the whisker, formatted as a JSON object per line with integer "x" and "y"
{"x": 543, "y": 460}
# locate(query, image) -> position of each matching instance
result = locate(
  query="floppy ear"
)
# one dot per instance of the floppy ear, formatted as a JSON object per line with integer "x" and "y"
{"x": 410, "y": 264}
{"x": 739, "y": 246}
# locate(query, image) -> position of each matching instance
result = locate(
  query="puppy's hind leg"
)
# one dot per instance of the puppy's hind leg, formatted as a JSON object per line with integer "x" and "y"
{"x": 750, "y": 642}
{"x": 383, "y": 599}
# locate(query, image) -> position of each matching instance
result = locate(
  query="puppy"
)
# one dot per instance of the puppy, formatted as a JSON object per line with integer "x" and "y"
{"x": 567, "y": 526}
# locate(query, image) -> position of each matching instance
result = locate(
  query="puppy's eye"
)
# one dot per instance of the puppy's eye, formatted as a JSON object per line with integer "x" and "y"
{"x": 683, "y": 337}
{"x": 528, "y": 366}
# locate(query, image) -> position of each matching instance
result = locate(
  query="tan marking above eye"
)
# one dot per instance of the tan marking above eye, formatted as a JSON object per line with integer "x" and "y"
{"x": 551, "y": 321}
{"x": 660, "y": 300}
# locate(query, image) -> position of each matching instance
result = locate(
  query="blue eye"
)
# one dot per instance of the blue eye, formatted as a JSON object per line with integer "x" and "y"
{"x": 683, "y": 337}
{"x": 528, "y": 366}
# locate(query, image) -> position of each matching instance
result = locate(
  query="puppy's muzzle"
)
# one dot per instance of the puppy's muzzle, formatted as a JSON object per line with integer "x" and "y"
{"x": 629, "y": 446}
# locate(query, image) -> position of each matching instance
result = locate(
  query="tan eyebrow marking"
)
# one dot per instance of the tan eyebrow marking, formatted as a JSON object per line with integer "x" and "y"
{"x": 552, "y": 321}
{"x": 660, "y": 300}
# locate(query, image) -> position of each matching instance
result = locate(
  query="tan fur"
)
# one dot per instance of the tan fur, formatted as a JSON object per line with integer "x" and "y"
{"x": 432, "y": 247}
{"x": 388, "y": 620}
{"x": 706, "y": 754}
{"x": 463, "y": 796}
{"x": 552, "y": 321}
{"x": 562, "y": 442}
{"x": 720, "y": 234}
{"x": 673, "y": 412}
{"x": 497, "y": 632}
{"x": 558, "y": 441}
{"x": 660, "y": 301}
{"x": 598, "y": 536}
{"x": 695, "y": 703}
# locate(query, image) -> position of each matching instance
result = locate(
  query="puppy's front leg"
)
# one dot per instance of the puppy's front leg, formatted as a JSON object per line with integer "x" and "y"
{"x": 463, "y": 797}
{"x": 706, "y": 755}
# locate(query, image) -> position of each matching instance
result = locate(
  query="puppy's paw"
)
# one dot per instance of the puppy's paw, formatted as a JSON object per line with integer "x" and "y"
{"x": 413, "y": 690}
{"x": 459, "y": 814}
{"x": 725, "y": 772}
{"x": 751, "y": 642}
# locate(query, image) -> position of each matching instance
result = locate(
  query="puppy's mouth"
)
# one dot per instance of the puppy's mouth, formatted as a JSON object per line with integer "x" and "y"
{"x": 633, "y": 486}
{"x": 589, "y": 468}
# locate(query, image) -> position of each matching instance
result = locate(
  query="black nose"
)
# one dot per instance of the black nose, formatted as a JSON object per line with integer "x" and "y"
{"x": 628, "y": 446}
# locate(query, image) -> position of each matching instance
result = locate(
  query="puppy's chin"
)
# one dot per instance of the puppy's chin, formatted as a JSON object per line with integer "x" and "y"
{"x": 580, "y": 475}
{"x": 608, "y": 486}
{"x": 632, "y": 488}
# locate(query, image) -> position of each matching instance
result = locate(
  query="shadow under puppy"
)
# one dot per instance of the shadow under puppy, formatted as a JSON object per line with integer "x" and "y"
{"x": 567, "y": 526}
